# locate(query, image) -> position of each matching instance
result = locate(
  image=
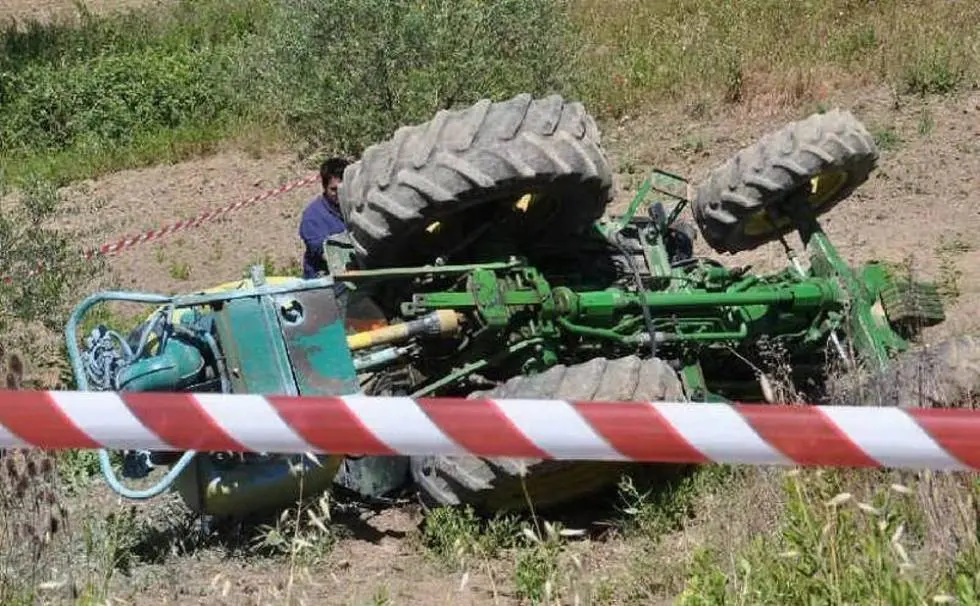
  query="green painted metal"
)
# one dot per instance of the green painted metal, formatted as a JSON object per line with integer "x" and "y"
{"x": 872, "y": 336}
{"x": 255, "y": 353}
{"x": 908, "y": 305}
{"x": 314, "y": 338}
{"x": 241, "y": 340}
{"x": 179, "y": 366}
{"x": 460, "y": 373}
{"x": 489, "y": 297}
{"x": 367, "y": 275}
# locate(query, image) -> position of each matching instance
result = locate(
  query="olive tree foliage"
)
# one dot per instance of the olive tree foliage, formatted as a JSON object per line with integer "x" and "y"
{"x": 41, "y": 272}
{"x": 347, "y": 73}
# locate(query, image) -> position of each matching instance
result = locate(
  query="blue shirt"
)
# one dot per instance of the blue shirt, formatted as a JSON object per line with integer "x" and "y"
{"x": 320, "y": 220}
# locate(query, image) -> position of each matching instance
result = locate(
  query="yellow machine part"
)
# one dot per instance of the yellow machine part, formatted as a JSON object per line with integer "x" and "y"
{"x": 823, "y": 188}
{"x": 254, "y": 487}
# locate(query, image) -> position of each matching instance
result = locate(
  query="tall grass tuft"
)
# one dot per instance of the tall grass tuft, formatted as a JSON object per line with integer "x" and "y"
{"x": 647, "y": 53}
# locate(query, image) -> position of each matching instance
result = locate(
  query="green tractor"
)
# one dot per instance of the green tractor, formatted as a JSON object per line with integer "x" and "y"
{"x": 480, "y": 261}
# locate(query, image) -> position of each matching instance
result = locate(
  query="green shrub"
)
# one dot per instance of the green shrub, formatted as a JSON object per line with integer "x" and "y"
{"x": 111, "y": 100}
{"x": 347, "y": 73}
{"x": 82, "y": 98}
{"x": 29, "y": 243}
{"x": 137, "y": 88}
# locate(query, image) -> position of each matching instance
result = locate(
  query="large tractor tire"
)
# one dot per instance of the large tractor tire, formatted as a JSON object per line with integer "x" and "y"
{"x": 944, "y": 375}
{"x": 816, "y": 162}
{"x": 434, "y": 186}
{"x": 497, "y": 485}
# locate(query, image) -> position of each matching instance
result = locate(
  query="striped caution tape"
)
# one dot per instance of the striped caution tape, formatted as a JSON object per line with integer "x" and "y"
{"x": 666, "y": 432}
{"x": 115, "y": 247}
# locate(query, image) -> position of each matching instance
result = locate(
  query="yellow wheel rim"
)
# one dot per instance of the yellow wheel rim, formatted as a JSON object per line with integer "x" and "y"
{"x": 524, "y": 203}
{"x": 823, "y": 188}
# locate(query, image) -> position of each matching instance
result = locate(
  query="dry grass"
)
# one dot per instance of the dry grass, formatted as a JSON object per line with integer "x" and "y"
{"x": 640, "y": 54}
{"x": 850, "y": 536}
{"x": 32, "y": 512}
{"x": 32, "y": 516}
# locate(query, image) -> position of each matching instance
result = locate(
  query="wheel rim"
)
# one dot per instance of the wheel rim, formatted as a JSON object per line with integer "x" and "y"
{"x": 823, "y": 189}
{"x": 526, "y": 213}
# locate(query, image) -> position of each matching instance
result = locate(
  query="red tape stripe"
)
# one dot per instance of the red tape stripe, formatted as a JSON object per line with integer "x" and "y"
{"x": 955, "y": 430}
{"x": 35, "y": 418}
{"x": 115, "y": 247}
{"x": 480, "y": 427}
{"x": 638, "y": 431}
{"x": 179, "y": 420}
{"x": 805, "y": 435}
{"x": 329, "y": 425}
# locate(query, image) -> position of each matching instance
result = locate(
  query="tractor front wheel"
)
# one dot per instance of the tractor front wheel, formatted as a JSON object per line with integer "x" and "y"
{"x": 495, "y": 485}
{"x": 814, "y": 163}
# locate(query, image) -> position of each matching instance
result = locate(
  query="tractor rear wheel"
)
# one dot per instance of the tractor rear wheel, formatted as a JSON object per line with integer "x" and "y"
{"x": 435, "y": 186}
{"x": 816, "y": 162}
{"x": 494, "y": 485}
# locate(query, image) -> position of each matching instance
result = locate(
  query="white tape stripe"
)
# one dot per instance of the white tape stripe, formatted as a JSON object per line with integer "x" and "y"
{"x": 107, "y": 420}
{"x": 890, "y": 437}
{"x": 720, "y": 433}
{"x": 558, "y": 429}
{"x": 9, "y": 440}
{"x": 253, "y": 422}
{"x": 402, "y": 426}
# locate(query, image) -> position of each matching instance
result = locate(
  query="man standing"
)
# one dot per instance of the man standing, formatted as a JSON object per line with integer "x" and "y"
{"x": 322, "y": 218}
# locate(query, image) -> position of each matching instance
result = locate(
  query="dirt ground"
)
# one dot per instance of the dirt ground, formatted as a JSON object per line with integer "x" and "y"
{"x": 921, "y": 203}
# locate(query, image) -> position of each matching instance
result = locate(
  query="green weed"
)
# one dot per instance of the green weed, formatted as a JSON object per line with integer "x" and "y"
{"x": 538, "y": 566}
{"x": 109, "y": 546}
{"x": 380, "y": 597}
{"x": 926, "y": 122}
{"x": 654, "y": 512}
{"x": 948, "y": 251}
{"x": 456, "y": 537}
{"x": 304, "y": 533}
{"x": 886, "y": 138}
{"x": 291, "y": 268}
{"x": 180, "y": 270}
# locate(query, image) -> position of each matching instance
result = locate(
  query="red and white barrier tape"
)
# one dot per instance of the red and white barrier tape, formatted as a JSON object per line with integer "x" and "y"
{"x": 114, "y": 248}
{"x": 829, "y": 436}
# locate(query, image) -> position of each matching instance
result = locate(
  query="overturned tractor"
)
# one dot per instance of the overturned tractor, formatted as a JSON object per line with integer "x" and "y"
{"x": 480, "y": 261}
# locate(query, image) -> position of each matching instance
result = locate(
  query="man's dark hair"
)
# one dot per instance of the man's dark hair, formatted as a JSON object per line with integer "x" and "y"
{"x": 332, "y": 167}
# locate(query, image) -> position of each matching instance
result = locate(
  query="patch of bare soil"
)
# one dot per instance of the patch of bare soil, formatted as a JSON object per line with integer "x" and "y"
{"x": 129, "y": 203}
{"x": 920, "y": 204}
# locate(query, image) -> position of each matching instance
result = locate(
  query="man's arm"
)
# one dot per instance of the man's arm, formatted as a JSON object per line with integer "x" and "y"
{"x": 311, "y": 235}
